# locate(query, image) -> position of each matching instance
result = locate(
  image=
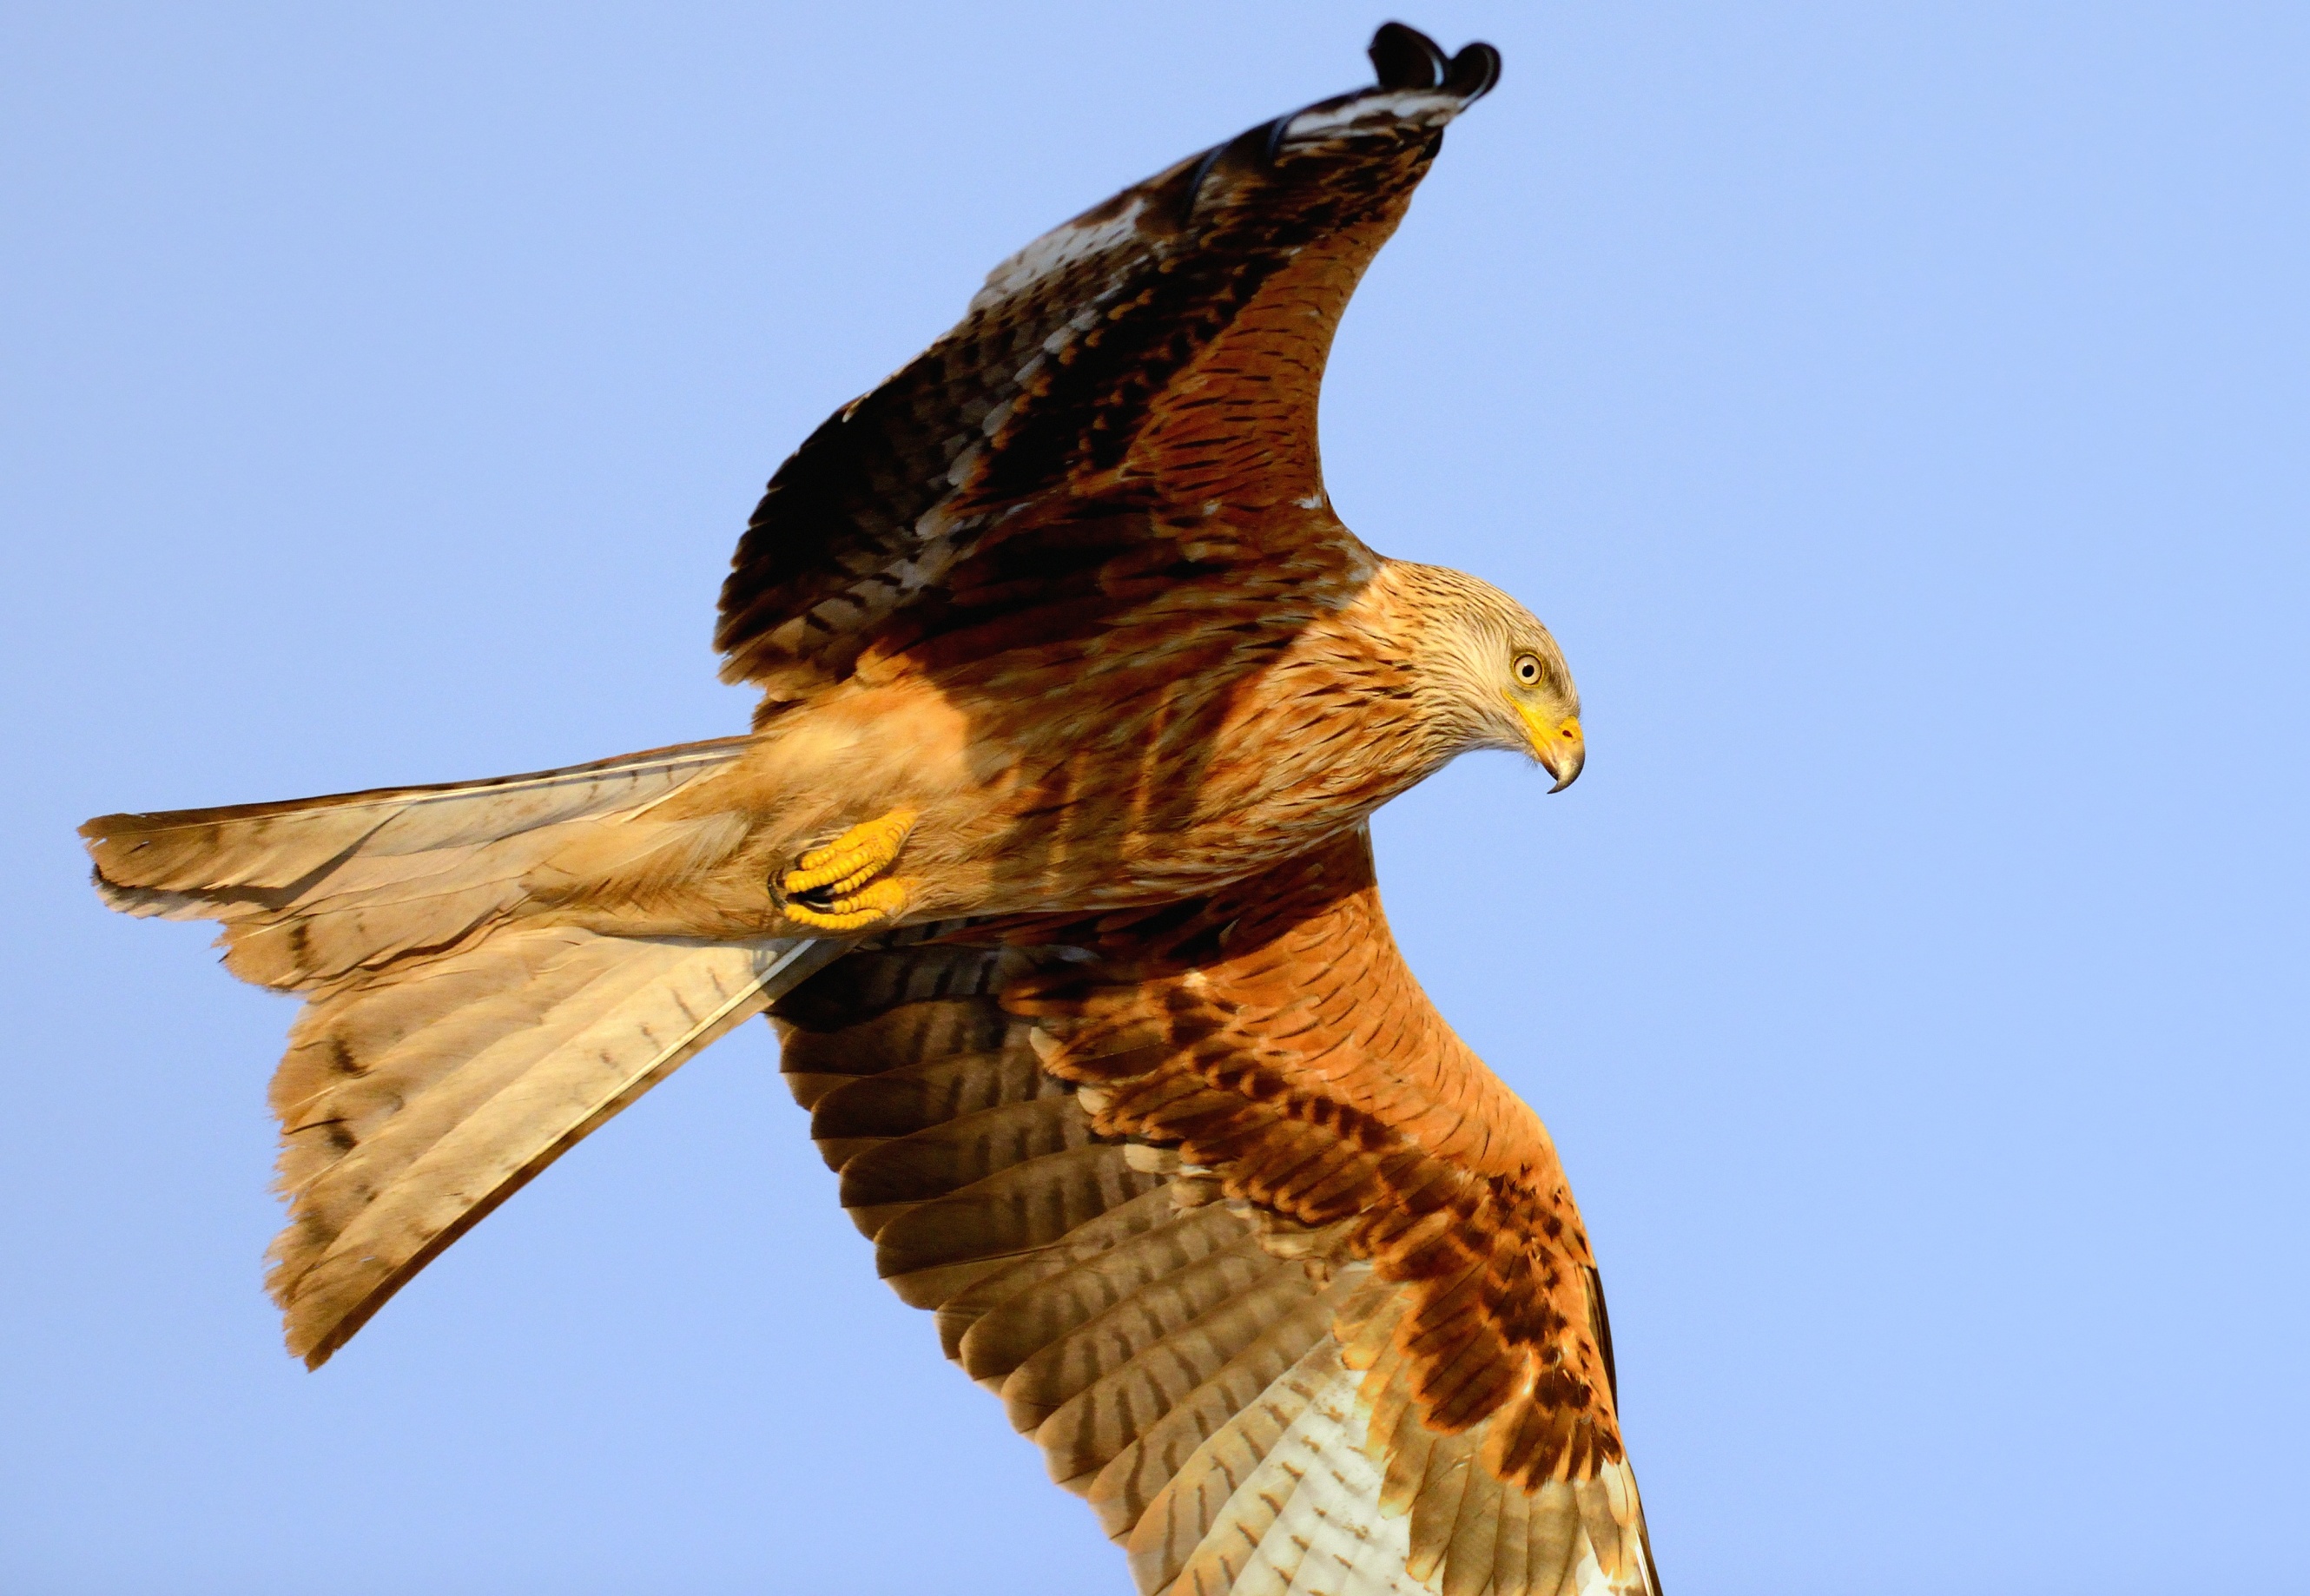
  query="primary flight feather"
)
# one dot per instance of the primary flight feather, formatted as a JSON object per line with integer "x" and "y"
{"x": 1046, "y": 852}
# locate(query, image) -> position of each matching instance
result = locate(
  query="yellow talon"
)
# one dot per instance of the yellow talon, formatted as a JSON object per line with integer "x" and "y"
{"x": 835, "y": 878}
{"x": 886, "y": 900}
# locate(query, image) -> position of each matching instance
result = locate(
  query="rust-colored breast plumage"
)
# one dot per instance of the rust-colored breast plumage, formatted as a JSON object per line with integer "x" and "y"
{"x": 1269, "y": 1265}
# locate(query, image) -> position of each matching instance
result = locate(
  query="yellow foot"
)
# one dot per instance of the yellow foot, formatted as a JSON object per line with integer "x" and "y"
{"x": 885, "y": 899}
{"x": 834, "y": 888}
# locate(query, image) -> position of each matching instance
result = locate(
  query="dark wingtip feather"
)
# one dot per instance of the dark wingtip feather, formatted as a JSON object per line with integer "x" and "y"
{"x": 1406, "y": 58}
{"x": 1473, "y": 72}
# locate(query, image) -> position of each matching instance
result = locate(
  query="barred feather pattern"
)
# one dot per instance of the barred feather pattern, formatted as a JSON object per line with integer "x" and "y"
{"x": 412, "y": 1107}
{"x": 1278, "y": 1277}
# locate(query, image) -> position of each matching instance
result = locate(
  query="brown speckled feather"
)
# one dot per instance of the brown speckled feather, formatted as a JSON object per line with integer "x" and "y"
{"x": 1150, "y": 367}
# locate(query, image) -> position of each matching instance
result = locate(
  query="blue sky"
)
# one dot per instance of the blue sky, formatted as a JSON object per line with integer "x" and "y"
{"x": 1899, "y": 413}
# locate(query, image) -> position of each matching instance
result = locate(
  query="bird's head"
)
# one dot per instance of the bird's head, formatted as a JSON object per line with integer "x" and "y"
{"x": 1489, "y": 673}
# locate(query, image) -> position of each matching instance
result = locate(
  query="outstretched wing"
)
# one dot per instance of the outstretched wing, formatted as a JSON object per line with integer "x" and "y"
{"x": 1163, "y": 351}
{"x": 1277, "y": 1274}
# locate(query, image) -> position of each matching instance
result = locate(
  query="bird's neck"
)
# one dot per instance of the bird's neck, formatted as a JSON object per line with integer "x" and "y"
{"x": 1367, "y": 728}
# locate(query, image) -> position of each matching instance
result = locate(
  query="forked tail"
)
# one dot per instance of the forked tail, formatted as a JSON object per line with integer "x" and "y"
{"x": 450, "y": 1048}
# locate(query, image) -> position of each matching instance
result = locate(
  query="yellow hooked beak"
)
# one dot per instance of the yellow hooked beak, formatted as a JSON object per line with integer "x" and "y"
{"x": 1556, "y": 744}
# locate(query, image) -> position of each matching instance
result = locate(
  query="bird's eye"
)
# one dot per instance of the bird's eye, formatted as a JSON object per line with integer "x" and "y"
{"x": 1527, "y": 668}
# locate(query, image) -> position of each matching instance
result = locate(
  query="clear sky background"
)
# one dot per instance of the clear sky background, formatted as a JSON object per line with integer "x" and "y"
{"x": 1897, "y": 411}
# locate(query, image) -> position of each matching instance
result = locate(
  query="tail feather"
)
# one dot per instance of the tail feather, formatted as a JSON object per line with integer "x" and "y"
{"x": 246, "y": 851}
{"x": 310, "y": 892}
{"x": 493, "y": 1061}
{"x": 455, "y": 1042}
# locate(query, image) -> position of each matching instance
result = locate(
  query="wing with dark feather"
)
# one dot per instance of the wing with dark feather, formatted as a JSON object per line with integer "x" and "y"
{"x": 1277, "y": 1274}
{"x": 1162, "y": 353}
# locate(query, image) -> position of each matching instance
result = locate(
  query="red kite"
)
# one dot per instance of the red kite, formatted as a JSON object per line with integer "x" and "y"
{"x": 1047, "y": 854}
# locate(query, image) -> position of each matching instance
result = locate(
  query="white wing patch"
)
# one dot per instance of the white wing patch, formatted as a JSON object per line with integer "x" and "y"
{"x": 1345, "y": 1545}
{"x": 1375, "y": 113}
{"x": 1055, "y": 253}
{"x": 1307, "y": 1518}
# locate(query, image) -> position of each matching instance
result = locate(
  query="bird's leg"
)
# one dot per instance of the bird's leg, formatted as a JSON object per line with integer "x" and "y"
{"x": 834, "y": 888}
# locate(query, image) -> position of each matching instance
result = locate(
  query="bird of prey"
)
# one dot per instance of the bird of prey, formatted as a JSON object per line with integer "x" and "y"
{"x": 1047, "y": 855}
